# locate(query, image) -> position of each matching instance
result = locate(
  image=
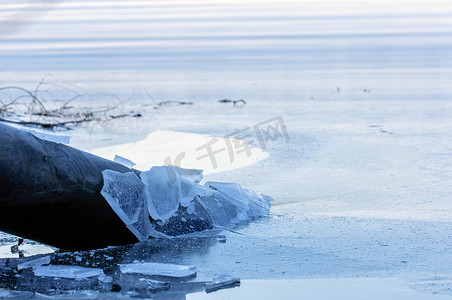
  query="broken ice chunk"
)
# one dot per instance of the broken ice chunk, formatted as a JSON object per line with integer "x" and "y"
{"x": 124, "y": 161}
{"x": 222, "y": 282}
{"x": 228, "y": 204}
{"x": 185, "y": 221}
{"x": 71, "y": 272}
{"x": 142, "y": 228}
{"x": 63, "y": 293}
{"x": 221, "y": 211}
{"x": 193, "y": 175}
{"x": 155, "y": 285}
{"x": 191, "y": 189}
{"x": 249, "y": 204}
{"x": 125, "y": 194}
{"x": 4, "y": 294}
{"x": 163, "y": 191}
{"x": 177, "y": 205}
{"x": 158, "y": 269}
{"x": 34, "y": 263}
{"x": 105, "y": 279}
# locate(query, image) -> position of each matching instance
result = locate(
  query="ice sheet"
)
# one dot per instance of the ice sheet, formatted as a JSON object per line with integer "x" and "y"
{"x": 71, "y": 272}
{"x": 34, "y": 263}
{"x": 220, "y": 282}
{"x": 158, "y": 269}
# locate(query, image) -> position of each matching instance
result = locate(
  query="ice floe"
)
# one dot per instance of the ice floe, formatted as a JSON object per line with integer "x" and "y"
{"x": 71, "y": 272}
{"x": 158, "y": 269}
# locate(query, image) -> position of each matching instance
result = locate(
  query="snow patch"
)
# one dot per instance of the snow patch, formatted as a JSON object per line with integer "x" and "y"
{"x": 186, "y": 150}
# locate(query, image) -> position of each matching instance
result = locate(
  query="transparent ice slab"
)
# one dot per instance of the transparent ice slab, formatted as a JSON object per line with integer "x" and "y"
{"x": 163, "y": 191}
{"x": 158, "y": 269}
{"x": 169, "y": 201}
{"x": 70, "y": 272}
{"x": 125, "y": 194}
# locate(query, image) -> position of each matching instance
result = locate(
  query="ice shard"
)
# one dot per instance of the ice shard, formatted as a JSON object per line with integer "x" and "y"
{"x": 69, "y": 272}
{"x": 248, "y": 204}
{"x": 177, "y": 204}
{"x": 34, "y": 263}
{"x": 163, "y": 191}
{"x": 125, "y": 193}
{"x": 158, "y": 269}
{"x": 220, "y": 282}
{"x": 193, "y": 175}
{"x": 124, "y": 161}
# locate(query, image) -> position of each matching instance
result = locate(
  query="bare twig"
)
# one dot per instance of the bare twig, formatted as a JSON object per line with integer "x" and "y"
{"x": 47, "y": 125}
{"x": 27, "y": 92}
{"x": 24, "y": 103}
{"x": 162, "y": 103}
{"x": 174, "y": 102}
{"x": 234, "y": 102}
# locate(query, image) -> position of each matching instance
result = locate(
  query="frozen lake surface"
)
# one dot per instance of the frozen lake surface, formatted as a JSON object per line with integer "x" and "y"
{"x": 362, "y": 176}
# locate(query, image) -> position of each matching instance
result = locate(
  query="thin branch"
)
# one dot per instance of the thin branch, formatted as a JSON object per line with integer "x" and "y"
{"x": 234, "y": 102}
{"x": 27, "y": 92}
{"x": 174, "y": 101}
{"x": 155, "y": 102}
{"x": 47, "y": 125}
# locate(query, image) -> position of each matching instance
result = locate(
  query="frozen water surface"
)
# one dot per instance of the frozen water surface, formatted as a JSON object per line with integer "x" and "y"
{"x": 363, "y": 186}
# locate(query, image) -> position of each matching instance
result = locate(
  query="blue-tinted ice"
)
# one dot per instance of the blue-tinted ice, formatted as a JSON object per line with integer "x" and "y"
{"x": 158, "y": 269}
{"x": 163, "y": 192}
{"x": 125, "y": 194}
{"x": 71, "y": 272}
{"x": 124, "y": 161}
{"x": 169, "y": 201}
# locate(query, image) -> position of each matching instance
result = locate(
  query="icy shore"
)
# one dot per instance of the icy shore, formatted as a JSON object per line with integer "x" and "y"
{"x": 363, "y": 188}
